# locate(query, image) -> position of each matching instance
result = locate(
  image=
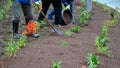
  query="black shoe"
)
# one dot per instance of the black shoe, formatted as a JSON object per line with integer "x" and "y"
{"x": 16, "y": 36}
{"x": 36, "y": 35}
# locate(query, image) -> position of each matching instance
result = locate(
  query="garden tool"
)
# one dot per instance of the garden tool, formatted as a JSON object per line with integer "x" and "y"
{"x": 51, "y": 25}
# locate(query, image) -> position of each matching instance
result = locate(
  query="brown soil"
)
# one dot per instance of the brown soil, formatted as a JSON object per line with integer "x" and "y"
{"x": 47, "y": 49}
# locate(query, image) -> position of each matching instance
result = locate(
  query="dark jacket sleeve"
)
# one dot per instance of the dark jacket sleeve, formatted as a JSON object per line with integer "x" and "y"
{"x": 65, "y": 2}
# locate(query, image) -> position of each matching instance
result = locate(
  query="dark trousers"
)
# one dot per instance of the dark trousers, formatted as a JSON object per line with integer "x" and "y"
{"x": 17, "y": 9}
{"x": 57, "y": 6}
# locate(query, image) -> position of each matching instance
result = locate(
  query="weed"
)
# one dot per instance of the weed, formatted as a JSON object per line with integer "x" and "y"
{"x": 92, "y": 61}
{"x": 57, "y": 64}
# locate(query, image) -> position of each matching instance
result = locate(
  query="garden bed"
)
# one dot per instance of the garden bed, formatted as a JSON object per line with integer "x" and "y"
{"x": 47, "y": 49}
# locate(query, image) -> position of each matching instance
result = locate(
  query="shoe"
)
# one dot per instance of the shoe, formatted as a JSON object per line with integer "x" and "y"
{"x": 36, "y": 35}
{"x": 16, "y": 36}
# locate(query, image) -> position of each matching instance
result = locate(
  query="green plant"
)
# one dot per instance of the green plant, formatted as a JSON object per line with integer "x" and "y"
{"x": 21, "y": 42}
{"x": 106, "y": 8}
{"x": 64, "y": 43}
{"x": 76, "y": 29}
{"x": 57, "y": 64}
{"x": 68, "y": 33}
{"x": 42, "y": 23}
{"x": 92, "y": 61}
{"x": 101, "y": 44}
{"x": 11, "y": 48}
{"x": 5, "y": 8}
{"x": 115, "y": 18}
{"x": 104, "y": 30}
{"x": 84, "y": 16}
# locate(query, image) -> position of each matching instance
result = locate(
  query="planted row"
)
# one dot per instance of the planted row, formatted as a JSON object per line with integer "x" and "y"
{"x": 13, "y": 46}
{"x": 5, "y": 8}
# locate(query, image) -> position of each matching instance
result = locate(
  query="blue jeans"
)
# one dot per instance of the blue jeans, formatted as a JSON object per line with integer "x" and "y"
{"x": 89, "y": 5}
{"x": 52, "y": 11}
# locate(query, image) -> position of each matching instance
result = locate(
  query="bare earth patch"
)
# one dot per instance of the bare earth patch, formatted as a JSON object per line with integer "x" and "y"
{"x": 47, "y": 49}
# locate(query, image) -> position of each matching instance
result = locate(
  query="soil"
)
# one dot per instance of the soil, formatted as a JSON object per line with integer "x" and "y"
{"x": 46, "y": 50}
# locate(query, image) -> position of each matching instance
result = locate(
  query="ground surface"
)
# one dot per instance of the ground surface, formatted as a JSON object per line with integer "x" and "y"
{"x": 44, "y": 51}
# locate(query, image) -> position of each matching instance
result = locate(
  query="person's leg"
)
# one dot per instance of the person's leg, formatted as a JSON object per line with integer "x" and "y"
{"x": 51, "y": 14}
{"x": 89, "y": 5}
{"x": 16, "y": 13}
{"x": 45, "y": 6}
{"x": 27, "y": 10}
{"x": 58, "y": 8}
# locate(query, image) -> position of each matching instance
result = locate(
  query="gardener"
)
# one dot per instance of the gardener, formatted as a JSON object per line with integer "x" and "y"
{"x": 68, "y": 5}
{"x": 57, "y": 6}
{"x": 19, "y": 6}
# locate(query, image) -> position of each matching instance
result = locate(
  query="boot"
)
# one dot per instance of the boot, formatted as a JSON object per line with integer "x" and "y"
{"x": 15, "y": 29}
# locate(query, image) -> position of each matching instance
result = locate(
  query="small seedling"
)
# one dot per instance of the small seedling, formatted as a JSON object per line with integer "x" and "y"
{"x": 57, "y": 64}
{"x": 92, "y": 61}
{"x": 68, "y": 33}
{"x": 64, "y": 43}
{"x": 104, "y": 30}
{"x": 84, "y": 16}
{"x": 21, "y": 42}
{"x": 76, "y": 29}
{"x": 11, "y": 49}
{"x": 101, "y": 44}
{"x": 42, "y": 23}
{"x": 5, "y": 8}
{"x": 115, "y": 19}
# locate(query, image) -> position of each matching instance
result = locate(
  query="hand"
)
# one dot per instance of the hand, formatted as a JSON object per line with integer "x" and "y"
{"x": 67, "y": 7}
